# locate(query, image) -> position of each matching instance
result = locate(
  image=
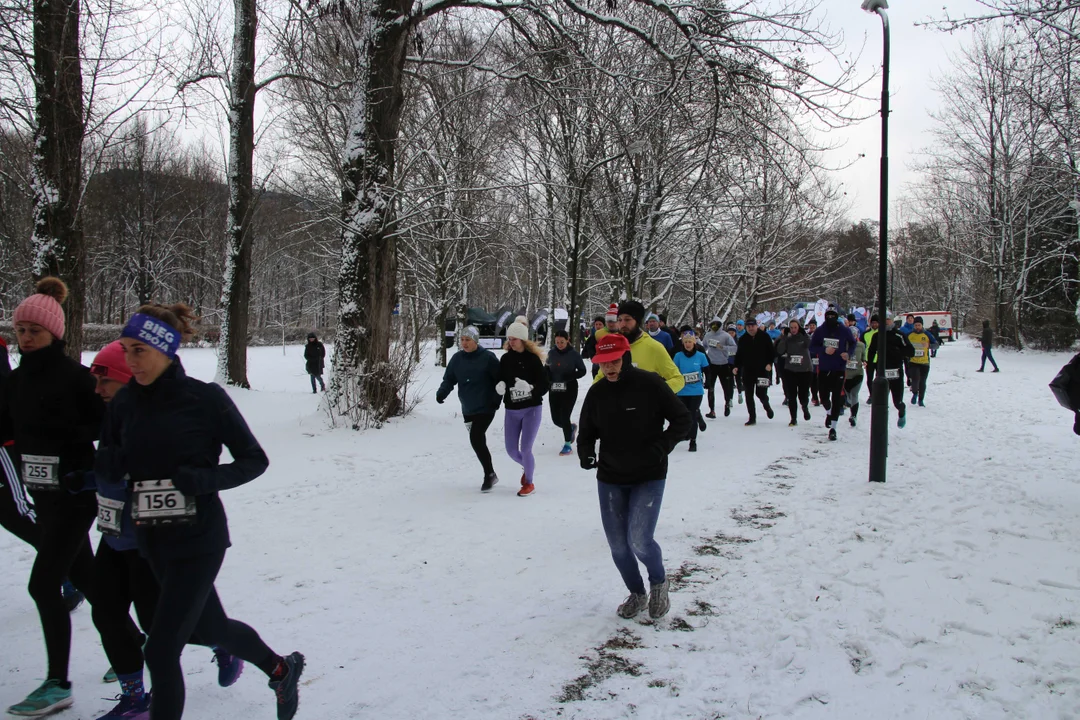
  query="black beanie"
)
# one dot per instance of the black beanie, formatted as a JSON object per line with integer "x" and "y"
{"x": 634, "y": 309}
{"x": 874, "y": 318}
{"x": 919, "y": 320}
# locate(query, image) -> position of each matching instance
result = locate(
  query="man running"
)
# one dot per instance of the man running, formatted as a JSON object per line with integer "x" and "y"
{"x": 833, "y": 344}
{"x": 897, "y": 352}
{"x": 719, "y": 346}
{"x": 645, "y": 353}
{"x": 657, "y": 333}
{"x": 753, "y": 363}
{"x": 919, "y": 367}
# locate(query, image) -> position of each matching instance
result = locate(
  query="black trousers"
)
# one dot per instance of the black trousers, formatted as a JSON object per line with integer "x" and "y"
{"x": 16, "y": 513}
{"x": 189, "y": 606}
{"x": 693, "y": 404}
{"x": 63, "y": 552}
{"x": 919, "y": 373}
{"x": 761, "y": 391}
{"x": 797, "y": 391}
{"x": 478, "y": 426}
{"x": 814, "y": 382}
{"x": 831, "y": 390}
{"x": 727, "y": 383}
{"x": 121, "y": 579}
{"x": 562, "y": 408}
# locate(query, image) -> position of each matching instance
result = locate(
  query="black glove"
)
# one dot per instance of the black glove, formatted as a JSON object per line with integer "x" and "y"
{"x": 73, "y": 482}
{"x": 588, "y": 463}
{"x": 439, "y": 399}
{"x": 1076, "y": 424}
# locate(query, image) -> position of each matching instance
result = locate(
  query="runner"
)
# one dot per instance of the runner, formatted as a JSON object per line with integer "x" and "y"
{"x": 589, "y": 348}
{"x": 815, "y": 362}
{"x": 923, "y": 343}
{"x": 646, "y": 353}
{"x": 853, "y": 379}
{"x": 833, "y": 344}
{"x": 719, "y": 348}
{"x": 897, "y": 353}
{"x": 987, "y": 347}
{"x": 692, "y": 363}
{"x": 795, "y": 349}
{"x": 51, "y": 412}
{"x": 626, "y": 412}
{"x": 736, "y": 381}
{"x": 564, "y": 368}
{"x": 753, "y": 363}
{"x": 16, "y": 512}
{"x": 659, "y": 334}
{"x": 168, "y": 430}
{"x": 315, "y": 360}
{"x": 871, "y": 362}
{"x": 475, "y": 371}
{"x": 522, "y": 383}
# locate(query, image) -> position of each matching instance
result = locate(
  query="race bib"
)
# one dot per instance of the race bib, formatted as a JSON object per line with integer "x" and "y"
{"x": 892, "y": 374}
{"x": 794, "y": 359}
{"x": 714, "y": 343}
{"x": 832, "y": 343}
{"x": 519, "y": 395}
{"x": 814, "y": 362}
{"x": 853, "y": 365}
{"x": 691, "y": 378}
{"x": 158, "y": 502}
{"x": 558, "y": 387}
{"x": 919, "y": 352}
{"x": 41, "y": 472}
{"x": 764, "y": 382}
{"x": 109, "y": 514}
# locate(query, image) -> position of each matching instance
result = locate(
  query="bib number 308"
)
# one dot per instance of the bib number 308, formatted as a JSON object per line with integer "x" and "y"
{"x": 41, "y": 472}
{"x": 158, "y": 502}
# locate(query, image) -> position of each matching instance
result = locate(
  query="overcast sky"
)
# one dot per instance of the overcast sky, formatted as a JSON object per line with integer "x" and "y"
{"x": 918, "y": 55}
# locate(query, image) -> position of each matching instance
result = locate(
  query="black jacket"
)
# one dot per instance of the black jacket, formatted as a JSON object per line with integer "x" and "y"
{"x": 987, "y": 339}
{"x": 315, "y": 354}
{"x": 628, "y": 417}
{"x": 754, "y": 353}
{"x": 565, "y": 366}
{"x": 589, "y": 349}
{"x": 897, "y": 351}
{"x": 48, "y": 407}
{"x": 174, "y": 429}
{"x": 5, "y": 363}
{"x": 528, "y": 367}
{"x": 795, "y": 349}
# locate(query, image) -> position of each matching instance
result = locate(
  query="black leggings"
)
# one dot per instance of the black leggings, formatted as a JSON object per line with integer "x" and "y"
{"x": 123, "y": 578}
{"x": 727, "y": 382}
{"x": 16, "y": 512}
{"x": 693, "y": 404}
{"x": 189, "y": 606}
{"x": 831, "y": 391}
{"x": 796, "y": 390}
{"x": 562, "y": 407}
{"x": 63, "y": 552}
{"x": 478, "y": 426}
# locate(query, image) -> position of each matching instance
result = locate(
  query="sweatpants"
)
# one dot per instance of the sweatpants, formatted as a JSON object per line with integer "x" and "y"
{"x": 63, "y": 552}
{"x": 831, "y": 389}
{"x": 16, "y": 513}
{"x": 519, "y": 434}
{"x": 629, "y": 514}
{"x": 562, "y": 404}
{"x": 797, "y": 391}
{"x": 478, "y": 425}
{"x": 750, "y": 383}
{"x": 189, "y": 606}
{"x": 919, "y": 373}
{"x": 852, "y": 388}
{"x": 693, "y": 404}
{"x": 123, "y": 578}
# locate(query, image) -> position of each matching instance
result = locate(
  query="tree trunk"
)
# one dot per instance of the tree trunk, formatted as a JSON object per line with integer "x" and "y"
{"x": 236, "y": 288}
{"x": 57, "y": 241}
{"x": 367, "y": 281}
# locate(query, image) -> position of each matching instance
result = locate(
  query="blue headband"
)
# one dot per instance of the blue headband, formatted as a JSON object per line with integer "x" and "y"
{"x": 158, "y": 334}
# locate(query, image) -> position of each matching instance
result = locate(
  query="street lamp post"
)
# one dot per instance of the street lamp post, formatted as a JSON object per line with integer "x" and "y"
{"x": 879, "y": 410}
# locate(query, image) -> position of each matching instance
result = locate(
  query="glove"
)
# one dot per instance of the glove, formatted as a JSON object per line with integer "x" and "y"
{"x": 72, "y": 482}
{"x": 500, "y": 387}
{"x": 439, "y": 400}
{"x": 522, "y": 386}
{"x": 588, "y": 463}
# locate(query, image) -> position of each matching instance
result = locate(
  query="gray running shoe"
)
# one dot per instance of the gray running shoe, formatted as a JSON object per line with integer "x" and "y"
{"x": 633, "y": 605}
{"x": 658, "y": 601}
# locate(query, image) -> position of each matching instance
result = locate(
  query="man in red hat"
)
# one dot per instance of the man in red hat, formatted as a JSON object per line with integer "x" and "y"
{"x": 626, "y": 410}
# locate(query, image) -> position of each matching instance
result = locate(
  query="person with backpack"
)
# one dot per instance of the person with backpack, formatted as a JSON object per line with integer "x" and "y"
{"x": 987, "y": 347}
{"x": 564, "y": 368}
{"x": 315, "y": 360}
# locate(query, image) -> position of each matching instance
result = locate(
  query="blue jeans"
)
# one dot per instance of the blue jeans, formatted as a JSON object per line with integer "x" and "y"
{"x": 987, "y": 355}
{"x": 629, "y": 514}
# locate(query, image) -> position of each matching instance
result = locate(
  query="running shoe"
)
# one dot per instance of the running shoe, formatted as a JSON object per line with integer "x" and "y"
{"x": 659, "y": 604}
{"x": 693, "y": 446}
{"x": 490, "y": 481}
{"x": 832, "y": 433}
{"x": 526, "y": 490}
{"x": 633, "y": 605}
{"x": 48, "y": 698}
{"x": 72, "y": 598}
{"x": 567, "y": 449}
{"x": 230, "y": 667}
{"x": 287, "y": 688}
{"x": 130, "y": 707}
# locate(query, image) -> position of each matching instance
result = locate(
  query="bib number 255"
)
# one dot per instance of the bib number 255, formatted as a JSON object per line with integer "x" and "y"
{"x": 41, "y": 472}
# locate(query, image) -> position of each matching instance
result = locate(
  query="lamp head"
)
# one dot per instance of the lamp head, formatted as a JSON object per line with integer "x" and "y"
{"x": 874, "y": 5}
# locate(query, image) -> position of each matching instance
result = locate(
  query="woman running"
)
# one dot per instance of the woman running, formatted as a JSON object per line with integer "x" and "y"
{"x": 564, "y": 368}
{"x": 165, "y": 432}
{"x": 522, "y": 383}
{"x": 52, "y": 414}
{"x": 475, "y": 371}
{"x": 692, "y": 363}
{"x": 798, "y": 371}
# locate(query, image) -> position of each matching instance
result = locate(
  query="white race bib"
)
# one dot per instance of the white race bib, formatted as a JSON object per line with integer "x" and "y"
{"x": 832, "y": 343}
{"x": 794, "y": 359}
{"x": 853, "y": 365}
{"x": 109, "y": 514}
{"x": 919, "y": 352}
{"x": 691, "y": 378}
{"x": 158, "y": 502}
{"x": 714, "y": 343}
{"x": 41, "y": 472}
{"x": 814, "y": 362}
{"x": 558, "y": 387}
{"x": 764, "y": 382}
{"x": 519, "y": 395}
{"x": 893, "y": 374}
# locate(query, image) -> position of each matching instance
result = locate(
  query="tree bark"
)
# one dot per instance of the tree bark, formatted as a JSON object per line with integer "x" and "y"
{"x": 57, "y": 241}
{"x": 236, "y": 288}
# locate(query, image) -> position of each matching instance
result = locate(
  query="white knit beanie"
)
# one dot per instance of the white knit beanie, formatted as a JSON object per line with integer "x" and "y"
{"x": 517, "y": 330}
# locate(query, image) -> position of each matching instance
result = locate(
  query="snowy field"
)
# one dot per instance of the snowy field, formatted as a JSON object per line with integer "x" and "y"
{"x": 799, "y": 589}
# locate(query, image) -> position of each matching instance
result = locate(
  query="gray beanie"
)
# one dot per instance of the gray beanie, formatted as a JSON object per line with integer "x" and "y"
{"x": 470, "y": 332}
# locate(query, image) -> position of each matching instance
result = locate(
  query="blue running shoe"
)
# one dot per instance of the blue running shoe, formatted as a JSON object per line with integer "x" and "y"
{"x": 230, "y": 667}
{"x": 110, "y": 677}
{"x": 48, "y": 698}
{"x": 901, "y": 421}
{"x": 287, "y": 689}
{"x": 130, "y": 707}
{"x": 72, "y": 597}
{"x": 567, "y": 449}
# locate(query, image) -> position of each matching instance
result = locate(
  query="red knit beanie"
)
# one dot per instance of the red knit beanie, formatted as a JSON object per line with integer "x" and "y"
{"x": 110, "y": 363}
{"x": 43, "y": 307}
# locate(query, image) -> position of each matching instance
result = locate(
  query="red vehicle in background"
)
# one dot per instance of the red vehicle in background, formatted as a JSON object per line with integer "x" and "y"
{"x": 944, "y": 321}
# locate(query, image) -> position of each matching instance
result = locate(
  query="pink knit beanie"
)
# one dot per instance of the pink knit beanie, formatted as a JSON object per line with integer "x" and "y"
{"x": 43, "y": 307}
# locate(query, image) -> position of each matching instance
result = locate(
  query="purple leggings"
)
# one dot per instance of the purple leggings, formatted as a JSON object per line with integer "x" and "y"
{"x": 519, "y": 432}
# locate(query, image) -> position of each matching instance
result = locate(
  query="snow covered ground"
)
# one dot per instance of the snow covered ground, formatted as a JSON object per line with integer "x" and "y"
{"x": 800, "y": 590}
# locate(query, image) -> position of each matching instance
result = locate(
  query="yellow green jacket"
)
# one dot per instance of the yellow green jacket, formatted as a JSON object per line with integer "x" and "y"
{"x": 921, "y": 342}
{"x": 648, "y": 354}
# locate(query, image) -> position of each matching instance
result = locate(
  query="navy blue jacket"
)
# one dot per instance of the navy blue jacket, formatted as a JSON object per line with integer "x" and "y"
{"x": 845, "y": 342}
{"x": 565, "y": 366}
{"x": 174, "y": 429}
{"x": 475, "y": 373}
